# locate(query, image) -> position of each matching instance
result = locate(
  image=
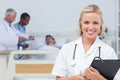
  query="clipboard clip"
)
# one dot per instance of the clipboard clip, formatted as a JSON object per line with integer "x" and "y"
{"x": 97, "y": 58}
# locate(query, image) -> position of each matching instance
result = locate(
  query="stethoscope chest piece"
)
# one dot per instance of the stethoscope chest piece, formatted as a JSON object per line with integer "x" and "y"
{"x": 73, "y": 63}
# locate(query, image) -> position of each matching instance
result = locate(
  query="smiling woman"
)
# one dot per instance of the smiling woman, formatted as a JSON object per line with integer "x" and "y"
{"x": 92, "y": 24}
{"x": 90, "y": 27}
{"x": 81, "y": 52}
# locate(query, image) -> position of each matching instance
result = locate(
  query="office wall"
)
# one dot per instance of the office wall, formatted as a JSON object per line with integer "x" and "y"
{"x": 58, "y": 16}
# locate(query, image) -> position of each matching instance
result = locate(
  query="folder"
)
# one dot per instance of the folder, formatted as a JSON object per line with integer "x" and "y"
{"x": 107, "y": 68}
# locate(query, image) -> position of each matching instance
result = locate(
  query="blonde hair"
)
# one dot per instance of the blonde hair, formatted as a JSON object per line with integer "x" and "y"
{"x": 91, "y": 9}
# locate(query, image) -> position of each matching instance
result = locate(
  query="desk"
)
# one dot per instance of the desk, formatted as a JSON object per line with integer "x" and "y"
{"x": 3, "y": 64}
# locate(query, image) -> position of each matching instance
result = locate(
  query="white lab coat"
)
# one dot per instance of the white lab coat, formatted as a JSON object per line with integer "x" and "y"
{"x": 9, "y": 36}
{"x": 83, "y": 60}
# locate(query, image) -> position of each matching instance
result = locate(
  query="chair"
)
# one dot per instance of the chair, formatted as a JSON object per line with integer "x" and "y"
{"x": 30, "y": 68}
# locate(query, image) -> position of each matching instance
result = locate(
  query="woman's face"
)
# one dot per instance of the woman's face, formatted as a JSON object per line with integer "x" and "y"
{"x": 90, "y": 25}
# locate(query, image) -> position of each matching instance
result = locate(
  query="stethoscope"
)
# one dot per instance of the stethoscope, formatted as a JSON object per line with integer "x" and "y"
{"x": 73, "y": 62}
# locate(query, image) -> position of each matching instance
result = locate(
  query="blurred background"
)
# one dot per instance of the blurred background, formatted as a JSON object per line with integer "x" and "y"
{"x": 60, "y": 17}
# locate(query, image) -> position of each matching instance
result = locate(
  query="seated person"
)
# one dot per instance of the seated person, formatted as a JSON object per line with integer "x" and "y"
{"x": 21, "y": 26}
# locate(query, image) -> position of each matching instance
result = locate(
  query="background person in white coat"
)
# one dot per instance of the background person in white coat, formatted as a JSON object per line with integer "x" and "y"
{"x": 9, "y": 36}
{"x": 74, "y": 59}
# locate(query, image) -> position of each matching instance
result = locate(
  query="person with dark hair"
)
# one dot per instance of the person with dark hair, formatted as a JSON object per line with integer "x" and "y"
{"x": 9, "y": 36}
{"x": 21, "y": 26}
{"x": 24, "y": 16}
{"x": 50, "y": 40}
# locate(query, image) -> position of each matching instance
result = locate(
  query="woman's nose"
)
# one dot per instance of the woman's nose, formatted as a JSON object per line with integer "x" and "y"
{"x": 91, "y": 26}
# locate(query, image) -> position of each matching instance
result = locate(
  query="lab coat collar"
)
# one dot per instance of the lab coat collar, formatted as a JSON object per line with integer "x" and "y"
{"x": 6, "y": 22}
{"x": 97, "y": 43}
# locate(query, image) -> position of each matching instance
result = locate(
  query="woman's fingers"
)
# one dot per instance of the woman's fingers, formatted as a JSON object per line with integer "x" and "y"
{"x": 93, "y": 69}
{"x": 92, "y": 73}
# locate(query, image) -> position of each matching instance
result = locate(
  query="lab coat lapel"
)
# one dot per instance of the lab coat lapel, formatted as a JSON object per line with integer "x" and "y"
{"x": 94, "y": 46}
{"x": 79, "y": 43}
{"x": 8, "y": 28}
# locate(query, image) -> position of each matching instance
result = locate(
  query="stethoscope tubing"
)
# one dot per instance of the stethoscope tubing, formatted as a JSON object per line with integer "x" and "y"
{"x": 74, "y": 53}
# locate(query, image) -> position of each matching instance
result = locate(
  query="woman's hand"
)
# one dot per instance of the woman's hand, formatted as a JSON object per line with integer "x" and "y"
{"x": 76, "y": 77}
{"x": 93, "y": 74}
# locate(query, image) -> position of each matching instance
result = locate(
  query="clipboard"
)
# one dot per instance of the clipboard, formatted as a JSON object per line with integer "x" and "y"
{"x": 107, "y": 68}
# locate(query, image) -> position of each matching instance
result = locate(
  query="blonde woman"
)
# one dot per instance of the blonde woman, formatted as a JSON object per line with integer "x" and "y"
{"x": 74, "y": 59}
